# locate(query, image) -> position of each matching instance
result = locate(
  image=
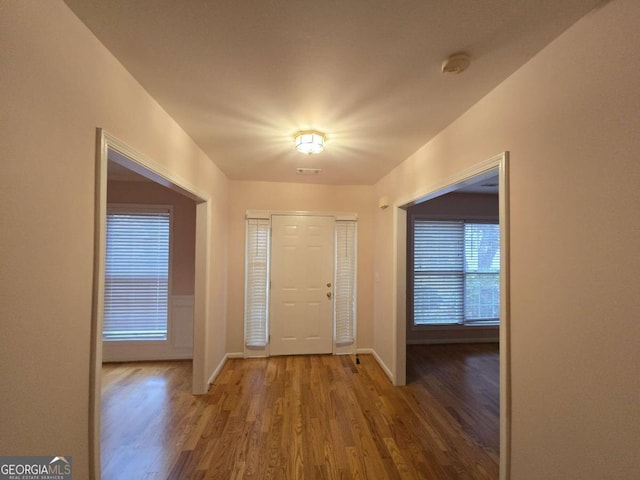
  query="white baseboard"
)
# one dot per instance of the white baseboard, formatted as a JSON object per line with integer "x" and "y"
{"x": 365, "y": 351}
{"x": 218, "y": 369}
{"x": 132, "y": 357}
{"x": 383, "y": 366}
{"x": 179, "y": 345}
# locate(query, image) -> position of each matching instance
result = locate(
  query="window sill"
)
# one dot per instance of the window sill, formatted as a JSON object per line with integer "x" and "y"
{"x": 455, "y": 326}
{"x": 454, "y": 333}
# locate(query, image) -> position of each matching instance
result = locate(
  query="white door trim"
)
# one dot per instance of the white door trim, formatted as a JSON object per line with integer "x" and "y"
{"x": 266, "y": 215}
{"x": 108, "y": 148}
{"x": 500, "y": 163}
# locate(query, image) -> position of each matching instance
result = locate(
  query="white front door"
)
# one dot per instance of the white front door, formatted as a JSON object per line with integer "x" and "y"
{"x": 302, "y": 258}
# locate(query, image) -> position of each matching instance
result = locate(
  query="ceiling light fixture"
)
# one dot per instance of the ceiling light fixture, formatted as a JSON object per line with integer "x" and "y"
{"x": 310, "y": 141}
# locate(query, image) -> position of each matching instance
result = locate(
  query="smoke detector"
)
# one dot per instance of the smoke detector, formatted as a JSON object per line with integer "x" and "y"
{"x": 456, "y": 64}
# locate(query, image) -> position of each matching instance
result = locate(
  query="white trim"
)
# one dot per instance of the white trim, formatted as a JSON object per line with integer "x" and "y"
{"x": 383, "y": 366}
{"x": 505, "y": 319}
{"x": 257, "y": 215}
{"x": 179, "y": 343}
{"x": 108, "y": 148}
{"x": 262, "y": 352}
{"x": 202, "y": 303}
{"x": 256, "y": 352}
{"x": 221, "y": 365}
{"x": 449, "y": 341}
{"x": 453, "y": 327}
{"x": 399, "y": 322}
{"x": 365, "y": 351}
{"x": 97, "y": 307}
{"x": 216, "y": 371}
{"x": 145, "y": 358}
{"x": 143, "y": 165}
{"x": 266, "y": 214}
{"x": 454, "y": 182}
{"x": 399, "y": 297}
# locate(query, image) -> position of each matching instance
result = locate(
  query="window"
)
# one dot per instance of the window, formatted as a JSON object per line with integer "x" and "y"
{"x": 257, "y": 276}
{"x": 137, "y": 274}
{"x": 456, "y": 273}
{"x": 345, "y": 283}
{"x": 257, "y": 273}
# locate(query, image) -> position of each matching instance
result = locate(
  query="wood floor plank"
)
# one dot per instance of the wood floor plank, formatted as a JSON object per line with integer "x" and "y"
{"x": 313, "y": 417}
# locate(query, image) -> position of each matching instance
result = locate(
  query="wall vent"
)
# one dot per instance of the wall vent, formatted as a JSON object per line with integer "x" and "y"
{"x": 307, "y": 171}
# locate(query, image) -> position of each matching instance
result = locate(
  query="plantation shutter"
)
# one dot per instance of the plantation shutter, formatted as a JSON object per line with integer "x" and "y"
{"x": 257, "y": 277}
{"x": 345, "y": 283}
{"x": 438, "y": 269}
{"x": 137, "y": 275}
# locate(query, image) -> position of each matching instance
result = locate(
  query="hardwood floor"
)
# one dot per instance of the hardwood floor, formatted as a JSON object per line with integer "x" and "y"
{"x": 311, "y": 417}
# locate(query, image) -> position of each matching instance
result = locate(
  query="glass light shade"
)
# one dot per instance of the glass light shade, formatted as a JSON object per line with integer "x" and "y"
{"x": 310, "y": 141}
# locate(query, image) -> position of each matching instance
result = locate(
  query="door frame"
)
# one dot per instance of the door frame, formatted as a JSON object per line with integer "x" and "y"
{"x": 266, "y": 215}
{"x": 499, "y": 163}
{"x": 108, "y": 147}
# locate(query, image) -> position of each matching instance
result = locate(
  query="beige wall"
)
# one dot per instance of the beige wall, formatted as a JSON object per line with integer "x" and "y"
{"x": 58, "y": 84}
{"x": 570, "y": 118}
{"x": 298, "y": 197}
{"x": 462, "y": 206}
{"x": 183, "y": 226}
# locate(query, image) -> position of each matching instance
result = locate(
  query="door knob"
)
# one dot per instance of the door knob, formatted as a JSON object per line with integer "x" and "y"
{"x": 328, "y": 294}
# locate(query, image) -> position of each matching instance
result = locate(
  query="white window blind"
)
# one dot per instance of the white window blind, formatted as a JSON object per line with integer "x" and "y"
{"x": 482, "y": 272}
{"x": 345, "y": 283}
{"x": 257, "y": 277}
{"x": 456, "y": 272}
{"x": 137, "y": 275}
{"x": 438, "y": 283}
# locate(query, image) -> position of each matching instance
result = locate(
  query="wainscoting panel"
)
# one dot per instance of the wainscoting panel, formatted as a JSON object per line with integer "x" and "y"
{"x": 179, "y": 345}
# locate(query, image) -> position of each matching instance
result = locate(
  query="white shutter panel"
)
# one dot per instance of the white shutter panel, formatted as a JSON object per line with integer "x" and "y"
{"x": 137, "y": 275}
{"x": 438, "y": 269}
{"x": 345, "y": 283}
{"x": 257, "y": 277}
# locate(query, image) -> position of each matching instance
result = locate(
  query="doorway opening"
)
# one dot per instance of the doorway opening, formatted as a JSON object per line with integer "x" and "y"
{"x": 112, "y": 151}
{"x": 484, "y": 171}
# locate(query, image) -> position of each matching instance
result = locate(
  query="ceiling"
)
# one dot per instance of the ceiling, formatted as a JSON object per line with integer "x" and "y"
{"x": 241, "y": 77}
